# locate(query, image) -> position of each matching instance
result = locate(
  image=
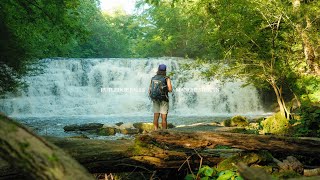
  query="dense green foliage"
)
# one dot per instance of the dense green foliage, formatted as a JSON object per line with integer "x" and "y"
{"x": 273, "y": 45}
{"x": 270, "y": 44}
{"x": 35, "y": 29}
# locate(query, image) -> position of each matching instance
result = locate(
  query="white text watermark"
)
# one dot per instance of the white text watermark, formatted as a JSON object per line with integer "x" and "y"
{"x": 144, "y": 90}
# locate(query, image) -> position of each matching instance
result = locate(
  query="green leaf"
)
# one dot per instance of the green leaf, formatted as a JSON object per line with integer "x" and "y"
{"x": 226, "y": 175}
{"x": 208, "y": 171}
{"x": 189, "y": 177}
{"x": 238, "y": 178}
{"x": 205, "y": 178}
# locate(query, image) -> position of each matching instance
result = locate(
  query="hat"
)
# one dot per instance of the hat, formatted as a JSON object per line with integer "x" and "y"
{"x": 162, "y": 67}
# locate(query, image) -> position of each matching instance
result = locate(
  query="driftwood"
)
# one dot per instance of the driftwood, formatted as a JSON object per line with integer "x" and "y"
{"x": 34, "y": 156}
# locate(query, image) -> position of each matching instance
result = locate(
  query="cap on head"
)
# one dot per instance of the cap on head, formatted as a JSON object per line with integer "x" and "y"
{"x": 162, "y": 67}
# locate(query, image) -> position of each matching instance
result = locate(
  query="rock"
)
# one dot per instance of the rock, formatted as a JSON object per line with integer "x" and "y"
{"x": 239, "y": 121}
{"x": 106, "y": 131}
{"x": 143, "y": 126}
{"x": 226, "y": 123}
{"x": 83, "y": 127}
{"x": 119, "y": 123}
{"x": 129, "y": 131}
{"x": 170, "y": 126}
{"x": 148, "y": 127}
{"x": 291, "y": 164}
{"x": 215, "y": 124}
{"x": 275, "y": 124}
{"x": 254, "y": 126}
{"x": 236, "y": 121}
{"x": 126, "y": 126}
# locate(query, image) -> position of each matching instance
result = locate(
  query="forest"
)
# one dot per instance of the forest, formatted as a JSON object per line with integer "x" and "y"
{"x": 273, "y": 45}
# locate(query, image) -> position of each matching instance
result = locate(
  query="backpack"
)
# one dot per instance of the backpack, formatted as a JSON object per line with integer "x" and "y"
{"x": 158, "y": 88}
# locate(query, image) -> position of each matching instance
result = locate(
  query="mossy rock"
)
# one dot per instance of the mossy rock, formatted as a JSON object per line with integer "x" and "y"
{"x": 246, "y": 158}
{"x": 226, "y": 123}
{"x": 275, "y": 124}
{"x": 239, "y": 121}
{"x": 144, "y": 127}
{"x": 236, "y": 121}
{"x": 106, "y": 131}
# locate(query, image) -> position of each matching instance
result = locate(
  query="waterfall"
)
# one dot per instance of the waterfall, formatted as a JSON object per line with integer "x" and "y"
{"x": 115, "y": 86}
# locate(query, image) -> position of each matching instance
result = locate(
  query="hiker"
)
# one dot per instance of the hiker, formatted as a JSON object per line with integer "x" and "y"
{"x": 159, "y": 87}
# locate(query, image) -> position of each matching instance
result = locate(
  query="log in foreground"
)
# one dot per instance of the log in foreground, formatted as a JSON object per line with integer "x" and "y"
{"x": 208, "y": 140}
{"x": 169, "y": 149}
{"x": 35, "y": 157}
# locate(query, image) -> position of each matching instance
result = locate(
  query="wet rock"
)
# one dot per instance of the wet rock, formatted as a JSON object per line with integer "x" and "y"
{"x": 83, "y": 127}
{"x": 119, "y": 123}
{"x": 170, "y": 126}
{"x": 126, "y": 126}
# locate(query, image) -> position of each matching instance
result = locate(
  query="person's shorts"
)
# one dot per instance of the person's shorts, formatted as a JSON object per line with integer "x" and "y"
{"x": 161, "y": 107}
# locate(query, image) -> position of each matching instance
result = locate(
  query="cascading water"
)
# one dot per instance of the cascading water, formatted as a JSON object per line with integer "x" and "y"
{"x": 76, "y": 91}
{"x": 102, "y": 87}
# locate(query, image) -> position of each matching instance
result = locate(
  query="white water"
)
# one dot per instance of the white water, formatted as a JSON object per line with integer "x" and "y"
{"x": 72, "y": 87}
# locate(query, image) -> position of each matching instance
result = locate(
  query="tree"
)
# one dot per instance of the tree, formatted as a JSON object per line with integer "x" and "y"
{"x": 261, "y": 42}
{"x": 36, "y": 29}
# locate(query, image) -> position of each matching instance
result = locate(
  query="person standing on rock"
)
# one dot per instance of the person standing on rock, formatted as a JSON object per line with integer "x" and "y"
{"x": 159, "y": 87}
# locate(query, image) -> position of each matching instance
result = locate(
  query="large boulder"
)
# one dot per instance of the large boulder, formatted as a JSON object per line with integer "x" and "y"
{"x": 83, "y": 127}
{"x": 275, "y": 124}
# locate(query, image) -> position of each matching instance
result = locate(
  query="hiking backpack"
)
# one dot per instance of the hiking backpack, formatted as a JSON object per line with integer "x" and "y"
{"x": 158, "y": 88}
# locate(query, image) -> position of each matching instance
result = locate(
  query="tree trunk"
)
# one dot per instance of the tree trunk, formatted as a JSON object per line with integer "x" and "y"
{"x": 280, "y": 100}
{"x": 34, "y": 156}
{"x": 309, "y": 51}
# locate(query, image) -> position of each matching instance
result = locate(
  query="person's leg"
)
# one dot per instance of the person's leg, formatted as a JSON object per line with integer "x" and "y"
{"x": 156, "y": 111}
{"x": 164, "y": 121}
{"x": 155, "y": 120}
{"x": 164, "y": 107}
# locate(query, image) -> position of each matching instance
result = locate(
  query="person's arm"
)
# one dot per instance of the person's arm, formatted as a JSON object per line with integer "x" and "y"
{"x": 169, "y": 85}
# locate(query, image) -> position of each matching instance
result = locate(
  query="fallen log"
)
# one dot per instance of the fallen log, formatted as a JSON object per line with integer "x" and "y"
{"x": 125, "y": 155}
{"x": 208, "y": 140}
{"x": 35, "y": 157}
